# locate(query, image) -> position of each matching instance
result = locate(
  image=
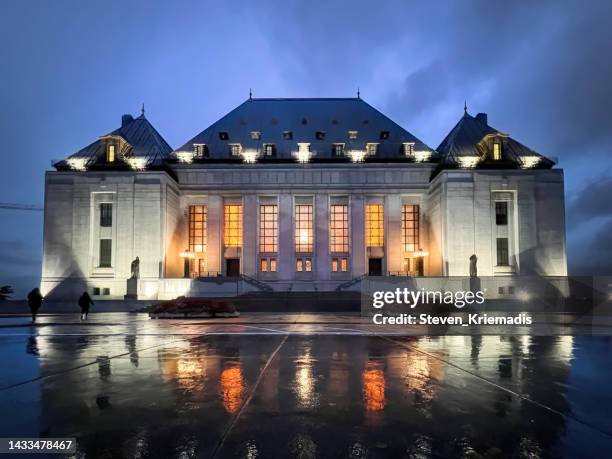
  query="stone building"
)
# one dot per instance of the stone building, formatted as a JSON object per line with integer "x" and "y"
{"x": 300, "y": 195}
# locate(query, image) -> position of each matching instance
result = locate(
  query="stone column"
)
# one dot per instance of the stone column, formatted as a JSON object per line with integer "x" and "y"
{"x": 250, "y": 211}
{"x": 286, "y": 262}
{"x": 321, "y": 237}
{"x": 214, "y": 233}
{"x": 393, "y": 243}
{"x": 357, "y": 232}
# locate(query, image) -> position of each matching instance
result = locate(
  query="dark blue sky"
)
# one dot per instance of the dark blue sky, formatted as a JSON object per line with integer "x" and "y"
{"x": 542, "y": 70}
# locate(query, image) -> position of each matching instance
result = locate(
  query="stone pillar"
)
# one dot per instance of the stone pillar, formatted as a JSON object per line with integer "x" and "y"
{"x": 393, "y": 243}
{"x": 357, "y": 231}
{"x": 321, "y": 237}
{"x": 214, "y": 233}
{"x": 250, "y": 211}
{"x": 286, "y": 262}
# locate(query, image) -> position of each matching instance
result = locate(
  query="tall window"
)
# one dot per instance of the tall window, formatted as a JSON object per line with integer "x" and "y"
{"x": 232, "y": 225}
{"x": 303, "y": 228}
{"x": 235, "y": 149}
{"x": 410, "y": 228}
{"x": 268, "y": 228}
{"x": 338, "y": 149}
{"x": 371, "y": 149}
{"x": 197, "y": 228}
{"x": 375, "y": 225}
{"x": 106, "y": 214}
{"x": 409, "y": 148}
{"x": 110, "y": 153}
{"x": 338, "y": 229}
{"x": 502, "y": 251}
{"x": 496, "y": 151}
{"x": 501, "y": 213}
{"x": 105, "y": 253}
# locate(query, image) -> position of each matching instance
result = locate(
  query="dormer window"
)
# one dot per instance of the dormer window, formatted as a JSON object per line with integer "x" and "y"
{"x": 371, "y": 149}
{"x": 200, "y": 150}
{"x": 235, "y": 149}
{"x": 384, "y": 135}
{"x": 110, "y": 153}
{"x": 255, "y": 135}
{"x": 269, "y": 150}
{"x": 320, "y": 135}
{"x": 496, "y": 151}
{"x": 409, "y": 149}
{"x": 338, "y": 149}
{"x": 223, "y": 135}
{"x": 287, "y": 135}
{"x": 352, "y": 135}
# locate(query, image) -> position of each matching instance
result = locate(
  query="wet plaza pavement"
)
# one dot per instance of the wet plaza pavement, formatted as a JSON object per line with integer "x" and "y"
{"x": 128, "y": 386}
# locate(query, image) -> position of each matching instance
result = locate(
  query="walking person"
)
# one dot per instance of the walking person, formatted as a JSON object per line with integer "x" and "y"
{"x": 34, "y": 302}
{"x": 84, "y": 302}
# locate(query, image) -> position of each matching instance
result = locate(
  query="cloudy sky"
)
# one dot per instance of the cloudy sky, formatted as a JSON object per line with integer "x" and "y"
{"x": 541, "y": 70}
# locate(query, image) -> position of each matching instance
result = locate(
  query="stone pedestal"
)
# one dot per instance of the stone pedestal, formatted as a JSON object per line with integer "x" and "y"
{"x": 132, "y": 289}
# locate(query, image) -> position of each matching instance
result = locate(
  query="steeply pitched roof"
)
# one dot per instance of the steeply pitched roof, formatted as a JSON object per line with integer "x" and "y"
{"x": 334, "y": 117}
{"x": 143, "y": 141}
{"x": 468, "y": 140}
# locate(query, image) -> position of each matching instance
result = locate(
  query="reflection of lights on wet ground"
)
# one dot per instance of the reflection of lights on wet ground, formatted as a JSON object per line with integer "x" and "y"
{"x": 304, "y": 380}
{"x": 373, "y": 387}
{"x": 231, "y": 386}
{"x": 565, "y": 348}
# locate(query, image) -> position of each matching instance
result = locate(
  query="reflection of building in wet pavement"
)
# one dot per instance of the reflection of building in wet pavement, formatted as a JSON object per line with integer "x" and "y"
{"x": 231, "y": 386}
{"x": 353, "y": 390}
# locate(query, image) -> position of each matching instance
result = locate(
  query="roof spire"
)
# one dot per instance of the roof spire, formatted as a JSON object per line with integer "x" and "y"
{"x": 465, "y": 107}
{"x": 142, "y": 110}
{"x": 358, "y": 93}
{"x": 250, "y": 94}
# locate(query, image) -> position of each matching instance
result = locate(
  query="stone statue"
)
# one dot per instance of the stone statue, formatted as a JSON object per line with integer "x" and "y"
{"x": 136, "y": 268}
{"x": 473, "y": 267}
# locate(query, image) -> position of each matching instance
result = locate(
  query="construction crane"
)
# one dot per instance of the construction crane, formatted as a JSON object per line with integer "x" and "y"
{"x": 13, "y": 206}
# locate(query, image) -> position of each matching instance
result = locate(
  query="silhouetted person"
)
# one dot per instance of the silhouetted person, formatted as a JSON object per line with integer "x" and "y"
{"x": 34, "y": 302}
{"x": 84, "y": 302}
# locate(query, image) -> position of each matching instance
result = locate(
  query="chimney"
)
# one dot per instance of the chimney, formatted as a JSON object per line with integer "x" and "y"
{"x": 126, "y": 119}
{"x": 482, "y": 117}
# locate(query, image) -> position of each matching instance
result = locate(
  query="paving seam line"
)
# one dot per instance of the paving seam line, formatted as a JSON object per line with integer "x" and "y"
{"x": 498, "y": 386}
{"x": 229, "y": 428}
{"x": 78, "y": 367}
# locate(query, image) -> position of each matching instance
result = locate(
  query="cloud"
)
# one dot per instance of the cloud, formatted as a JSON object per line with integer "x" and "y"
{"x": 593, "y": 201}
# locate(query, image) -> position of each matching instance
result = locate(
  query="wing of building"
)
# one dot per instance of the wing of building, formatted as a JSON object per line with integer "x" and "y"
{"x": 297, "y": 195}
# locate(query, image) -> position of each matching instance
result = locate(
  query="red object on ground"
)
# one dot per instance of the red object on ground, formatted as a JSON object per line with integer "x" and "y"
{"x": 197, "y": 306}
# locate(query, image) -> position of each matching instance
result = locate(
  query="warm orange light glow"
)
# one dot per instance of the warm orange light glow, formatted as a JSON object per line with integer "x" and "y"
{"x": 303, "y": 228}
{"x": 338, "y": 229}
{"x": 231, "y": 386}
{"x": 375, "y": 225}
{"x": 198, "y": 221}
{"x": 232, "y": 225}
{"x": 373, "y": 379}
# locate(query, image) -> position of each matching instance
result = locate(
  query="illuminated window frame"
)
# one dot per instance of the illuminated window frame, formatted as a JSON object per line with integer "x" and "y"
{"x": 496, "y": 151}
{"x": 268, "y": 228}
{"x": 235, "y": 149}
{"x": 303, "y": 228}
{"x": 110, "y": 153}
{"x": 410, "y": 227}
{"x": 198, "y": 223}
{"x": 232, "y": 225}
{"x": 375, "y": 225}
{"x": 339, "y": 264}
{"x": 338, "y": 228}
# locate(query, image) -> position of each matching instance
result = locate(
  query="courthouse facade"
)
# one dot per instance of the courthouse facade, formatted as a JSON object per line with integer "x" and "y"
{"x": 297, "y": 195}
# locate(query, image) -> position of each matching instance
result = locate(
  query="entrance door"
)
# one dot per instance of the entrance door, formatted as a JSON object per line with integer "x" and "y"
{"x": 232, "y": 267}
{"x": 375, "y": 267}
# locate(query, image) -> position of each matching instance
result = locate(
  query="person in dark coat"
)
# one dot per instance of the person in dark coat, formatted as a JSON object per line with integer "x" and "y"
{"x": 34, "y": 302}
{"x": 84, "y": 302}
